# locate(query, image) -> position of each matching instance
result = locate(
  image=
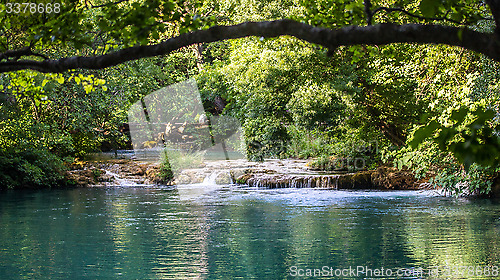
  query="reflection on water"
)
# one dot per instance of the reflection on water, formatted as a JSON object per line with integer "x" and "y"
{"x": 228, "y": 233}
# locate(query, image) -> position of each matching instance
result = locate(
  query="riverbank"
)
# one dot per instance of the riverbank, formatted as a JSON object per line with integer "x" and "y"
{"x": 109, "y": 172}
{"x": 288, "y": 173}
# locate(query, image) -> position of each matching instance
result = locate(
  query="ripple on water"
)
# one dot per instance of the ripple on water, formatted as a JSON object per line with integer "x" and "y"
{"x": 236, "y": 232}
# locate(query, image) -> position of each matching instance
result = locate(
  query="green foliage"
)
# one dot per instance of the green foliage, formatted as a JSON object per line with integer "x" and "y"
{"x": 265, "y": 137}
{"x": 31, "y": 168}
{"x": 305, "y": 143}
{"x": 125, "y": 23}
{"x": 340, "y": 13}
{"x": 456, "y": 145}
{"x": 73, "y": 114}
{"x": 165, "y": 173}
{"x": 291, "y": 97}
{"x": 177, "y": 161}
{"x": 471, "y": 141}
{"x": 475, "y": 181}
{"x": 212, "y": 83}
{"x": 314, "y": 105}
{"x": 26, "y": 153}
{"x": 424, "y": 161}
{"x": 443, "y": 170}
{"x": 324, "y": 163}
{"x": 332, "y": 13}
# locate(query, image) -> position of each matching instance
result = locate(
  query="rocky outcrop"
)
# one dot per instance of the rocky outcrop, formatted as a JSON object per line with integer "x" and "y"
{"x": 81, "y": 177}
{"x": 113, "y": 172}
{"x": 395, "y": 179}
{"x": 269, "y": 174}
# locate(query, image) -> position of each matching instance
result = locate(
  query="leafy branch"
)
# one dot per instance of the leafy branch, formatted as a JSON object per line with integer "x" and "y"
{"x": 469, "y": 141}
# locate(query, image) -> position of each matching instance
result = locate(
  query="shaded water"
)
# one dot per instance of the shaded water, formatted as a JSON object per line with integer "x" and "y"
{"x": 231, "y": 233}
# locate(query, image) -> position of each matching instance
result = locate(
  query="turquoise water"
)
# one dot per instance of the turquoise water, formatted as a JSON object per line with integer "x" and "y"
{"x": 237, "y": 233}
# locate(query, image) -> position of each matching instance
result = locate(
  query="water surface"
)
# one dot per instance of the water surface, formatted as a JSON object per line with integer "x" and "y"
{"x": 237, "y": 233}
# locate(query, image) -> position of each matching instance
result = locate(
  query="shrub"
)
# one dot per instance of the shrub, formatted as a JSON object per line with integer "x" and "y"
{"x": 265, "y": 137}
{"x": 306, "y": 143}
{"x": 36, "y": 168}
{"x": 444, "y": 170}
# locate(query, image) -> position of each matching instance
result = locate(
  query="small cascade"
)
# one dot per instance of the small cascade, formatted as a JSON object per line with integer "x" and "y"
{"x": 120, "y": 181}
{"x": 211, "y": 179}
{"x": 192, "y": 191}
{"x": 294, "y": 181}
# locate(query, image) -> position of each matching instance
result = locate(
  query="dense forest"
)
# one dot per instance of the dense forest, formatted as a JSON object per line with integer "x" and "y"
{"x": 429, "y": 108}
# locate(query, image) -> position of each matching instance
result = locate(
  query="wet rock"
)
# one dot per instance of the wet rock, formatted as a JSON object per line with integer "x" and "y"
{"x": 105, "y": 178}
{"x": 270, "y": 174}
{"x": 190, "y": 177}
{"x": 81, "y": 178}
{"x": 237, "y": 173}
{"x": 223, "y": 178}
{"x": 118, "y": 161}
{"x": 495, "y": 187}
{"x": 345, "y": 182}
{"x": 95, "y": 173}
{"x": 386, "y": 177}
{"x": 86, "y": 177}
{"x": 183, "y": 179}
{"x": 362, "y": 180}
{"x": 152, "y": 176}
{"x": 243, "y": 179}
{"x": 290, "y": 181}
{"x": 382, "y": 178}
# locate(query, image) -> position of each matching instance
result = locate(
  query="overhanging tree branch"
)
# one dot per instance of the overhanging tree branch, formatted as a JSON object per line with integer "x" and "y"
{"x": 381, "y": 34}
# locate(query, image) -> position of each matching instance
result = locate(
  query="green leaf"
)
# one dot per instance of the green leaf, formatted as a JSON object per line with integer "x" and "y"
{"x": 88, "y": 88}
{"x": 459, "y": 115}
{"x": 60, "y": 79}
{"x": 457, "y": 17}
{"x": 428, "y": 8}
{"x": 446, "y": 134}
{"x": 484, "y": 116}
{"x": 424, "y": 132}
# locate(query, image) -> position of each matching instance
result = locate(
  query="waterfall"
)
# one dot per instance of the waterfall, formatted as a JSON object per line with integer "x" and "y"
{"x": 294, "y": 181}
{"x": 210, "y": 179}
{"x": 194, "y": 191}
{"x": 120, "y": 181}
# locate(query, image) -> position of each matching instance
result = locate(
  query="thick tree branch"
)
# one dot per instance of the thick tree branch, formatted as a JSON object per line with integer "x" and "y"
{"x": 487, "y": 44}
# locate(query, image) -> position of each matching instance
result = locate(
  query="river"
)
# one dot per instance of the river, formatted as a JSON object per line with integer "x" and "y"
{"x": 230, "y": 232}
